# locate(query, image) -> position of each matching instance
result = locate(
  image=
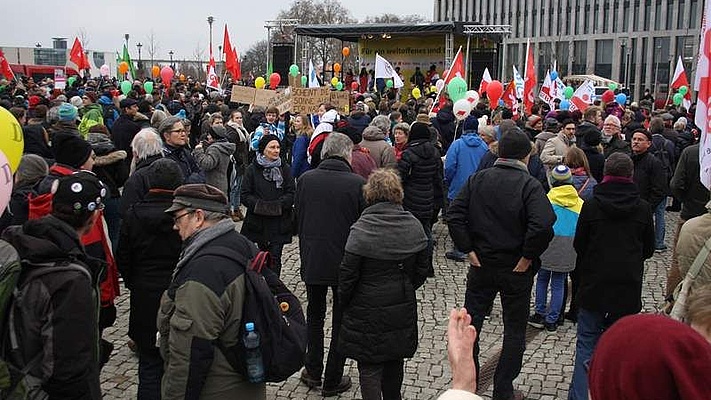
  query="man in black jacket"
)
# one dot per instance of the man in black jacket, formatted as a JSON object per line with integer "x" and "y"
{"x": 614, "y": 236}
{"x": 329, "y": 199}
{"x": 125, "y": 128}
{"x": 503, "y": 220}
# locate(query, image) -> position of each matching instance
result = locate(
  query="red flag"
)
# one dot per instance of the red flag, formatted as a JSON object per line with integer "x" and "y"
{"x": 457, "y": 67}
{"x": 509, "y": 98}
{"x": 5, "y": 67}
{"x": 237, "y": 72}
{"x": 530, "y": 81}
{"x": 77, "y": 56}
{"x": 227, "y": 49}
{"x": 680, "y": 80}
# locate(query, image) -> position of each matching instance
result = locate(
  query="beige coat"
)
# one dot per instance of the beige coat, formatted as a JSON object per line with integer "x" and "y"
{"x": 692, "y": 237}
{"x": 554, "y": 151}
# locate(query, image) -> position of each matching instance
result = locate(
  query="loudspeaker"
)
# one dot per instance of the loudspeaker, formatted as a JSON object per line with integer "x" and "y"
{"x": 282, "y": 58}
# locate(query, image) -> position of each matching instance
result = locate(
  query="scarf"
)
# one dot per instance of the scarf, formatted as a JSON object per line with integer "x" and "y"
{"x": 200, "y": 238}
{"x": 511, "y": 163}
{"x": 242, "y": 134}
{"x": 272, "y": 170}
{"x": 617, "y": 179}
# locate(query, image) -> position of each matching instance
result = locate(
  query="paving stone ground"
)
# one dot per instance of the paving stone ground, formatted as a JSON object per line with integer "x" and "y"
{"x": 547, "y": 364}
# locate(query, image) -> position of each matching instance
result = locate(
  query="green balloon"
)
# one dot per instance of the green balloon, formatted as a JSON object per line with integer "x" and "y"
{"x": 71, "y": 80}
{"x": 612, "y": 86}
{"x": 304, "y": 80}
{"x": 568, "y": 92}
{"x": 148, "y": 87}
{"x": 389, "y": 83}
{"x": 294, "y": 70}
{"x": 683, "y": 90}
{"x": 457, "y": 89}
{"x": 339, "y": 86}
{"x": 125, "y": 87}
{"x": 678, "y": 99}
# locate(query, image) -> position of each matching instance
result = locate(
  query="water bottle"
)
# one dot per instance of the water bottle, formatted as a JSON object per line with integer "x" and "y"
{"x": 255, "y": 367}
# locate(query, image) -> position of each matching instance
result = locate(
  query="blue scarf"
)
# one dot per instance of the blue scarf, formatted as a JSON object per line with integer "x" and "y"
{"x": 272, "y": 170}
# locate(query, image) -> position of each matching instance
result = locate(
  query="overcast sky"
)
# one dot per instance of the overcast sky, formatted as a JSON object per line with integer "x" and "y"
{"x": 178, "y": 24}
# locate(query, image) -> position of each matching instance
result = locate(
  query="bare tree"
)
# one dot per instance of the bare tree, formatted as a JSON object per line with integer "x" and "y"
{"x": 394, "y": 19}
{"x": 254, "y": 59}
{"x": 198, "y": 56}
{"x": 152, "y": 46}
{"x": 83, "y": 36}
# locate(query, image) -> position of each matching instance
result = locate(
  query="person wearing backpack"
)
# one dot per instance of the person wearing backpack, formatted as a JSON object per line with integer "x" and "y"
{"x": 203, "y": 303}
{"x": 55, "y": 314}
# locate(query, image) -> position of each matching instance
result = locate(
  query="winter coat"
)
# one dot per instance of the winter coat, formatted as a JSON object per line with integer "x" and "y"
{"x": 381, "y": 152}
{"x": 214, "y": 161}
{"x": 377, "y": 285}
{"x": 554, "y": 151}
{"x": 57, "y": 313}
{"x": 299, "y": 158}
{"x": 541, "y": 139}
{"x": 329, "y": 199}
{"x": 18, "y": 210}
{"x": 446, "y": 124}
{"x": 136, "y": 186}
{"x": 614, "y": 236}
{"x": 181, "y": 155}
{"x": 596, "y": 161}
{"x": 359, "y": 121}
{"x": 361, "y": 161}
{"x": 241, "y": 153}
{"x": 34, "y": 141}
{"x": 420, "y": 170}
{"x": 616, "y": 145}
{"x": 269, "y": 209}
{"x": 203, "y": 304}
{"x": 148, "y": 250}
{"x": 585, "y": 191}
{"x": 650, "y": 178}
{"x": 560, "y": 254}
{"x": 109, "y": 165}
{"x": 123, "y": 131}
{"x": 692, "y": 237}
{"x": 686, "y": 184}
{"x": 503, "y": 214}
{"x": 462, "y": 160}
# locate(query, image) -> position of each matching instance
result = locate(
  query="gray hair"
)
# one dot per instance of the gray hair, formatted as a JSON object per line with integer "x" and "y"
{"x": 382, "y": 122}
{"x": 210, "y": 216}
{"x": 167, "y": 125}
{"x": 679, "y": 125}
{"x": 487, "y": 130}
{"x": 157, "y": 117}
{"x": 337, "y": 145}
{"x": 403, "y": 126}
{"x": 146, "y": 143}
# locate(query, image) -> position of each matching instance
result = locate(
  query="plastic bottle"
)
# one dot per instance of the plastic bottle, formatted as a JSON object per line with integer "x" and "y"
{"x": 255, "y": 366}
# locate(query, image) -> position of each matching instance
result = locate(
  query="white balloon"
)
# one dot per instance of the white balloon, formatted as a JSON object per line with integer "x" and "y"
{"x": 440, "y": 85}
{"x": 472, "y": 96}
{"x": 104, "y": 70}
{"x": 461, "y": 109}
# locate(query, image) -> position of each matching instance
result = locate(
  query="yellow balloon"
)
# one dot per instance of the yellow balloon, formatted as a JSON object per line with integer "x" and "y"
{"x": 259, "y": 82}
{"x": 416, "y": 93}
{"x": 334, "y": 81}
{"x": 11, "y": 139}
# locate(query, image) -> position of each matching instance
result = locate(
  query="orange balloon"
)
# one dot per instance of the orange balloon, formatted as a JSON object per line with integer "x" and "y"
{"x": 346, "y": 51}
{"x": 182, "y": 78}
{"x": 123, "y": 67}
{"x": 337, "y": 67}
{"x": 155, "y": 71}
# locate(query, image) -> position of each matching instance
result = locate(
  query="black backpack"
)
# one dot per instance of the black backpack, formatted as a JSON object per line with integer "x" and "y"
{"x": 278, "y": 318}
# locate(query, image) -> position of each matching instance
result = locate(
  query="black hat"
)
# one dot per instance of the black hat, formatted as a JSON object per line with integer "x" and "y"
{"x": 82, "y": 190}
{"x": 70, "y": 149}
{"x": 264, "y": 141}
{"x": 199, "y": 196}
{"x": 514, "y": 144}
{"x": 645, "y": 132}
{"x": 165, "y": 174}
{"x": 127, "y": 102}
{"x": 418, "y": 131}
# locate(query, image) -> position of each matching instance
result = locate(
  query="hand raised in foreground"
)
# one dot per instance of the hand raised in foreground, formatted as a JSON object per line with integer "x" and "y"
{"x": 460, "y": 347}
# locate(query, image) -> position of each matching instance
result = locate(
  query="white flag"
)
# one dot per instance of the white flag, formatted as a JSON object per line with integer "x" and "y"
{"x": 384, "y": 70}
{"x": 313, "y": 79}
{"x": 212, "y": 80}
{"x": 518, "y": 80}
{"x": 545, "y": 92}
{"x": 583, "y": 96}
{"x": 702, "y": 82}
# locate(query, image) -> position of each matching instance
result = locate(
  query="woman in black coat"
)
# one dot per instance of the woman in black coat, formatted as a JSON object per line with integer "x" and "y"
{"x": 377, "y": 285}
{"x": 148, "y": 250}
{"x": 268, "y": 193}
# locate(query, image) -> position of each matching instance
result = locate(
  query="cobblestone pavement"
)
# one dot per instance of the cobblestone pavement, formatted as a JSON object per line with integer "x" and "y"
{"x": 547, "y": 364}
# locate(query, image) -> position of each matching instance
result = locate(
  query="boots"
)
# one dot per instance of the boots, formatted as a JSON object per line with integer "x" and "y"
{"x": 237, "y": 215}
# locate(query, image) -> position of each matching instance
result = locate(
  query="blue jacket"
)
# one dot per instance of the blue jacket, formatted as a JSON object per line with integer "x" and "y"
{"x": 299, "y": 158}
{"x": 462, "y": 161}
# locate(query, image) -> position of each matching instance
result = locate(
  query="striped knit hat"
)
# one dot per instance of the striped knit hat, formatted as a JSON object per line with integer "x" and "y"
{"x": 560, "y": 175}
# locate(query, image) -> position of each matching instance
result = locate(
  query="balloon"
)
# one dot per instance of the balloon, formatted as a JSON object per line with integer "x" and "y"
{"x": 166, "y": 74}
{"x": 568, "y": 92}
{"x": 564, "y": 104}
{"x": 304, "y": 80}
{"x": 181, "y": 78}
{"x": 683, "y": 90}
{"x": 148, "y": 87}
{"x": 678, "y": 99}
{"x": 274, "y": 80}
{"x": 494, "y": 91}
{"x": 155, "y": 71}
{"x": 501, "y": 103}
{"x": 123, "y": 67}
{"x": 294, "y": 70}
{"x": 259, "y": 82}
{"x": 472, "y": 96}
{"x": 334, "y": 81}
{"x": 608, "y": 96}
{"x": 346, "y": 51}
{"x": 337, "y": 67}
{"x": 439, "y": 85}
{"x": 554, "y": 75}
{"x": 389, "y": 83}
{"x": 11, "y": 139}
{"x": 339, "y": 86}
{"x": 354, "y": 85}
{"x": 104, "y": 70}
{"x": 125, "y": 87}
{"x": 612, "y": 86}
{"x": 461, "y": 109}
{"x": 416, "y": 93}
{"x": 457, "y": 88}
{"x": 71, "y": 80}
{"x": 621, "y": 99}
{"x": 5, "y": 183}
{"x": 434, "y": 89}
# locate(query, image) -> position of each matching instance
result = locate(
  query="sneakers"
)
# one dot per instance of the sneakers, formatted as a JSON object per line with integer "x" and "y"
{"x": 551, "y": 327}
{"x": 660, "y": 249}
{"x": 536, "y": 320}
{"x": 342, "y": 386}
{"x": 308, "y": 380}
{"x": 455, "y": 255}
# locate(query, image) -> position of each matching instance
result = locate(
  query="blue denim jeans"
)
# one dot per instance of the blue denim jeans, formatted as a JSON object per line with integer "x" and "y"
{"x": 235, "y": 188}
{"x": 659, "y": 228}
{"x": 557, "y": 282}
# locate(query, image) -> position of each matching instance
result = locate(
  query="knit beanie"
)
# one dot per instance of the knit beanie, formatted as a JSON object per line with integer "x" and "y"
{"x": 418, "y": 131}
{"x": 514, "y": 144}
{"x": 32, "y": 168}
{"x": 70, "y": 149}
{"x": 264, "y": 141}
{"x": 560, "y": 175}
{"x": 470, "y": 124}
{"x": 67, "y": 112}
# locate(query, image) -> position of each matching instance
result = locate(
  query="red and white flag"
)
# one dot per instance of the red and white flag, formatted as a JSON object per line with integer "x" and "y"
{"x": 509, "y": 98}
{"x": 78, "y": 58}
{"x": 680, "y": 80}
{"x": 545, "y": 92}
{"x": 5, "y": 67}
{"x": 530, "y": 81}
{"x": 583, "y": 96}
{"x": 485, "y": 80}
{"x": 702, "y": 83}
{"x": 212, "y": 80}
{"x": 456, "y": 69}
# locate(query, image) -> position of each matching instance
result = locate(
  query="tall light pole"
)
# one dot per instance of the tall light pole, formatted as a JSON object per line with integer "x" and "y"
{"x": 210, "y": 20}
{"x": 170, "y": 53}
{"x": 126, "y": 37}
{"x": 140, "y": 66}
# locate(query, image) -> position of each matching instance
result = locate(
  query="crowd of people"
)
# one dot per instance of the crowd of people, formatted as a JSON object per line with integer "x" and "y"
{"x": 147, "y": 189}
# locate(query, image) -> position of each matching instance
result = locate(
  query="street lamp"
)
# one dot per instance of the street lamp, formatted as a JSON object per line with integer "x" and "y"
{"x": 170, "y": 53}
{"x": 210, "y": 20}
{"x": 139, "y": 45}
{"x": 126, "y": 36}
{"x": 656, "y": 70}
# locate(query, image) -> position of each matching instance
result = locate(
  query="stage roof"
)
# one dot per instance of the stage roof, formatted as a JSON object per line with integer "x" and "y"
{"x": 354, "y": 32}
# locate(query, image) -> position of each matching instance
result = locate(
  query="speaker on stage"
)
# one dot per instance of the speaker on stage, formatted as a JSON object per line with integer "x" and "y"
{"x": 282, "y": 58}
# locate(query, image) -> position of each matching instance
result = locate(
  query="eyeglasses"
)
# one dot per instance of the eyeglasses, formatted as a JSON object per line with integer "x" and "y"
{"x": 177, "y": 218}
{"x": 178, "y": 130}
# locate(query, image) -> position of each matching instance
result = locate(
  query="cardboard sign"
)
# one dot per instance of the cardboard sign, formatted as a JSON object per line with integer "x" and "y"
{"x": 282, "y": 101}
{"x": 307, "y": 100}
{"x": 243, "y": 94}
{"x": 262, "y": 97}
{"x": 342, "y": 101}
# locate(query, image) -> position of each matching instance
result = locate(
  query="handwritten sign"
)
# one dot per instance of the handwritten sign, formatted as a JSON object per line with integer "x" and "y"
{"x": 307, "y": 100}
{"x": 342, "y": 101}
{"x": 243, "y": 94}
{"x": 263, "y": 96}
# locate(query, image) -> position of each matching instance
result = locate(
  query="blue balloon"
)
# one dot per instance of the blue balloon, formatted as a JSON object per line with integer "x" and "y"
{"x": 621, "y": 99}
{"x": 501, "y": 103}
{"x": 564, "y": 104}
{"x": 554, "y": 75}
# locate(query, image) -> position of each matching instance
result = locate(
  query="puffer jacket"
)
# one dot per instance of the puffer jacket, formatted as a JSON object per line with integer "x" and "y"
{"x": 418, "y": 169}
{"x": 203, "y": 304}
{"x": 560, "y": 254}
{"x": 382, "y": 153}
{"x": 109, "y": 165}
{"x": 214, "y": 161}
{"x": 462, "y": 160}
